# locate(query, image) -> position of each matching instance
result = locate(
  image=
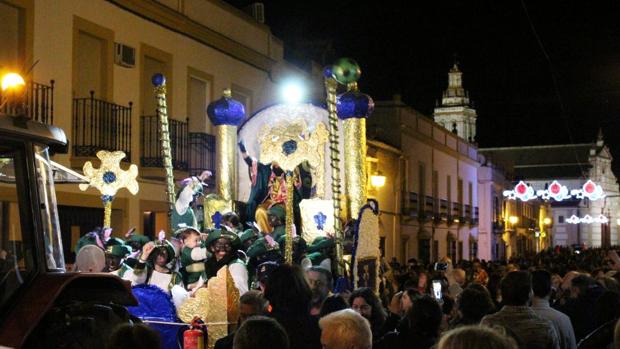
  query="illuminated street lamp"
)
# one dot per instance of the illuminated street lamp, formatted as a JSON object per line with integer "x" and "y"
{"x": 513, "y": 220}
{"x": 377, "y": 180}
{"x": 547, "y": 221}
{"x": 12, "y": 81}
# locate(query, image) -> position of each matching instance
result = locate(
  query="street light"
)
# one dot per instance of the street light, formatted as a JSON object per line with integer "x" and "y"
{"x": 547, "y": 221}
{"x": 377, "y": 180}
{"x": 12, "y": 81}
{"x": 513, "y": 220}
{"x": 292, "y": 91}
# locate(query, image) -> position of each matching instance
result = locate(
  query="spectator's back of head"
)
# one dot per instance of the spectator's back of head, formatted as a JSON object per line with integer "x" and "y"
{"x": 474, "y": 304}
{"x": 345, "y": 329}
{"x": 287, "y": 290}
{"x": 137, "y": 336}
{"x": 425, "y": 316}
{"x": 332, "y": 304}
{"x": 516, "y": 287}
{"x": 541, "y": 283}
{"x": 260, "y": 332}
{"x": 476, "y": 337}
{"x": 252, "y": 303}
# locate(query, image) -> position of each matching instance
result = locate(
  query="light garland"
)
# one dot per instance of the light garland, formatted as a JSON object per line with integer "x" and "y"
{"x": 587, "y": 219}
{"x": 556, "y": 191}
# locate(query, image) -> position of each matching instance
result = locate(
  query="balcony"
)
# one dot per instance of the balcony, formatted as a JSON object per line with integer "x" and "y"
{"x": 39, "y": 102}
{"x": 410, "y": 205}
{"x": 202, "y": 155}
{"x": 456, "y": 211}
{"x": 151, "y": 151}
{"x": 467, "y": 214}
{"x": 443, "y": 210}
{"x": 100, "y": 125}
{"x": 427, "y": 208}
{"x": 475, "y": 218}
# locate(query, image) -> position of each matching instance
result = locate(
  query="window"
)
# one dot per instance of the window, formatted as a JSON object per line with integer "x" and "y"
{"x": 11, "y": 39}
{"x": 560, "y": 219}
{"x": 452, "y": 249}
{"x": 199, "y": 96}
{"x": 459, "y": 190}
{"x": 92, "y": 60}
{"x": 15, "y": 223}
{"x": 435, "y": 184}
{"x": 424, "y": 250}
{"x": 435, "y": 250}
{"x": 449, "y": 188}
{"x": 470, "y": 190}
{"x": 244, "y": 96}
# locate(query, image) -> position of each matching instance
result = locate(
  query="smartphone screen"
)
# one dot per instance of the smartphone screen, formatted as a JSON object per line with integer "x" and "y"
{"x": 437, "y": 289}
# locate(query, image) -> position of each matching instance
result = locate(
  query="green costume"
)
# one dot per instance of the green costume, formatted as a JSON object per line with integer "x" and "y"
{"x": 191, "y": 270}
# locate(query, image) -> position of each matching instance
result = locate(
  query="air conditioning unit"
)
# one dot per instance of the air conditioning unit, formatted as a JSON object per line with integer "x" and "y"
{"x": 257, "y": 10}
{"x": 124, "y": 55}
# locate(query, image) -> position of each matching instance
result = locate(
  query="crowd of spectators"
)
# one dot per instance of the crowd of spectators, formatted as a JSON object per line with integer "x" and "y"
{"x": 559, "y": 298}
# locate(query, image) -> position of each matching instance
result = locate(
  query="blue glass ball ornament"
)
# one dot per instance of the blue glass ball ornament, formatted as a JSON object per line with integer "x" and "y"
{"x": 109, "y": 177}
{"x": 346, "y": 71}
{"x": 226, "y": 111}
{"x": 289, "y": 147}
{"x": 107, "y": 198}
{"x": 158, "y": 79}
{"x": 354, "y": 104}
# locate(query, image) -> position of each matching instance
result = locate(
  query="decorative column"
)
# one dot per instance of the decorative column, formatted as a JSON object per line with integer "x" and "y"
{"x": 226, "y": 114}
{"x": 353, "y": 109}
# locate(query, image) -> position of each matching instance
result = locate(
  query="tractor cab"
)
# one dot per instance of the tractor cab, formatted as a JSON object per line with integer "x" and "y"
{"x": 35, "y": 288}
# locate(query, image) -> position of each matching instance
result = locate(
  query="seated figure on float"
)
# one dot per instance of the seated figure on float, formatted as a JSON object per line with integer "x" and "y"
{"x": 268, "y": 189}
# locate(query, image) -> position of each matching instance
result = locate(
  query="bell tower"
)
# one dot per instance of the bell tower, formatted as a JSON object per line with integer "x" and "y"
{"x": 455, "y": 112}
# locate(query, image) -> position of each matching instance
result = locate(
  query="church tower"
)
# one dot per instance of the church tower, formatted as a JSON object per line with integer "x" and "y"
{"x": 455, "y": 112}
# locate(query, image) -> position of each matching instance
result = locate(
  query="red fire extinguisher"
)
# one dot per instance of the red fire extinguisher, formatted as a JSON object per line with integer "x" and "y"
{"x": 195, "y": 338}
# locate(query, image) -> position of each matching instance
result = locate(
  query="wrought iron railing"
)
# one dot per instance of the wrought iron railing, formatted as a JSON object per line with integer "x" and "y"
{"x": 410, "y": 204}
{"x": 39, "y": 102}
{"x": 151, "y": 154}
{"x": 202, "y": 155}
{"x": 100, "y": 125}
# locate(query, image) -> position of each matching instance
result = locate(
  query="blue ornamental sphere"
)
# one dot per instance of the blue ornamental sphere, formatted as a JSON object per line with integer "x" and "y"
{"x": 226, "y": 111}
{"x": 158, "y": 79}
{"x": 327, "y": 72}
{"x": 346, "y": 71}
{"x": 353, "y": 104}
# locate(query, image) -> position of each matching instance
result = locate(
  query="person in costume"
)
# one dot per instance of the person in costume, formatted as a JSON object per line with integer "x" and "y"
{"x": 223, "y": 246}
{"x": 230, "y": 221}
{"x": 247, "y": 238}
{"x": 191, "y": 269}
{"x": 115, "y": 253}
{"x": 319, "y": 252}
{"x": 183, "y": 214}
{"x": 268, "y": 189}
{"x": 135, "y": 242}
{"x": 299, "y": 250}
{"x": 277, "y": 221}
{"x": 264, "y": 249}
{"x": 156, "y": 267}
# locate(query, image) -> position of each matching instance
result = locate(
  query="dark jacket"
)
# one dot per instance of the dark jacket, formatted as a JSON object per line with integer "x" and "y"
{"x": 303, "y": 331}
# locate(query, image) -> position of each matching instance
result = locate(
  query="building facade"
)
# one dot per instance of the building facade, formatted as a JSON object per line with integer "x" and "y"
{"x": 456, "y": 112}
{"x": 438, "y": 202}
{"x": 572, "y": 165}
{"x": 92, "y": 77}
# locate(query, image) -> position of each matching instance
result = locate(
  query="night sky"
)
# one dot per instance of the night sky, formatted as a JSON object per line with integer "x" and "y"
{"x": 407, "y": 47}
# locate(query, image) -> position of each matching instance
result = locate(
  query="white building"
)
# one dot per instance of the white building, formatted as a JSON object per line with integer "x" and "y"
{"x": 571, "y": 165}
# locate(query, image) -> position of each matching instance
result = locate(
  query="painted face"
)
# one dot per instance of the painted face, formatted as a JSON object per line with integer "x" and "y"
{"x": 112, "y": 262}
{"x": 221, "y": 248}
{"x": 361, "y": 307}
{"x": 162, "y": 257}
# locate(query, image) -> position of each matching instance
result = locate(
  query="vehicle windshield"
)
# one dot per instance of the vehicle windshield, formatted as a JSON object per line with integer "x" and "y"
{"x": 17, "y": 251}
{"x": 49, "y": 211}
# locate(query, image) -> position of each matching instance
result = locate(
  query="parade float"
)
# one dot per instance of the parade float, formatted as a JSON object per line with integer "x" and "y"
{"x": 308, "y": 159}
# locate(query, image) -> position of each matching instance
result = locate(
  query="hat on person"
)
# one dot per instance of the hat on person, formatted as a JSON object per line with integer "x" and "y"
{"x": 118, "y": 250}
{"x": 137, "y": 239}
{"x": 247, "y": 235}
{"x": 278, "y": 211}
{"x": 299, "y": 244}
{"x": 225, "y": 234}
{"x": 261, "y": 247}
{"x": 320, "y": 243}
